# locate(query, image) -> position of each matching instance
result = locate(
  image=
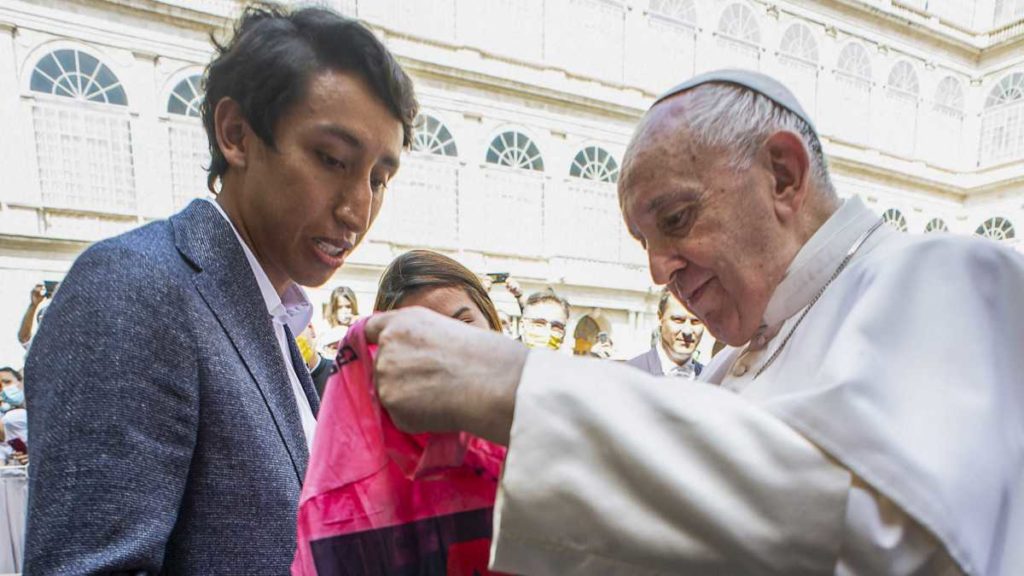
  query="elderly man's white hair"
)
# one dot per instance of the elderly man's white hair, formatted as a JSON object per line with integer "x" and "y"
{"x": 737, "y": 111}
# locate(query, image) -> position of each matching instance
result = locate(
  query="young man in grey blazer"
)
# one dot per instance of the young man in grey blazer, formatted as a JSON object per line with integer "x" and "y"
{"x": 679, "y": 334}
{"x": 171, "y": 411}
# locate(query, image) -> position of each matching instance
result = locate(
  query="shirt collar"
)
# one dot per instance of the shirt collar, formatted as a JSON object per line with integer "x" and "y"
{"x": 667, "y": 365}
{"x": 817, "y": 260}
{"x": 294, "y": 310}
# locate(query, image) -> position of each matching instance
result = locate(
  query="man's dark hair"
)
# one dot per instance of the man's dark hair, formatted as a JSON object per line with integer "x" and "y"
{"x": 548, "y": 295}
{"x": 663, "y": 301}
{"x": 16, "y": 374}
{"x": 268, "y": 63}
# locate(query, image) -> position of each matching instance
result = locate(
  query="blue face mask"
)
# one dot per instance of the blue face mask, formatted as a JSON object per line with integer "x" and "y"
{"x": 14, "y": 396}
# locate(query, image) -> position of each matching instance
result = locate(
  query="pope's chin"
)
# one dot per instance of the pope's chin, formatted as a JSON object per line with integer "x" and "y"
{"x": 726, "y": 328}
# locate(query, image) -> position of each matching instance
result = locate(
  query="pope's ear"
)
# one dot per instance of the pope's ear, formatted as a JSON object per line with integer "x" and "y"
{"x": 790, "y": 166}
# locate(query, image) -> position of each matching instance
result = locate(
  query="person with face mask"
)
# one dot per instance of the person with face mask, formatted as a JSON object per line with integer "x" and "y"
{"x": 679, "y": 334}
{"x": 13, "y": 390}
{"x": 545, "y": 316}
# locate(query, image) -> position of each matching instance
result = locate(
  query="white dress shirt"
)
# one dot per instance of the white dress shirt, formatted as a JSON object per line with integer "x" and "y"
{"x": 293, "y": 310}
{"x": 670, "y": 368}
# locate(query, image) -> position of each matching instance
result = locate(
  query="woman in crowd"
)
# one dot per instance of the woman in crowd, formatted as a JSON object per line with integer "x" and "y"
{"x": 14, "y": 428}
{"x": 341, "y": 311}
{"x": 434, "y": 281}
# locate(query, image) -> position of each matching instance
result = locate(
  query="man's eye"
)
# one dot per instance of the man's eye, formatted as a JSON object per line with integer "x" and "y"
{"x": 379, "y": 186}
{"x": 330, "y": 161}
{"x": 676, "y": 222}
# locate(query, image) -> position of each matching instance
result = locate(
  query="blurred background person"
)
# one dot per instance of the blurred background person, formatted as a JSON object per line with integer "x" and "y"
{"x": 341, "y": 311}
{"x": 319, "y": 365}
{"x": 506, "y": 323}
{"x": 545, "y": 317}
{"x": 12, "y": 389}
{"x": 679, "y": 334}
{"x": 15, "y": 430}
{"x": 15, "y": 418}
{"x": 603, "y": 348}
{"x": 39, "y": 297}
{"x": 512, "y": 286}
{"x": 439, "y": 283}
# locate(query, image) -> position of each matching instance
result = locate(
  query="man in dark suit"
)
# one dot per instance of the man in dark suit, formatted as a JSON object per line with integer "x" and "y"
{"x": 679, "y": 334}
{"x": 171, "y": 411}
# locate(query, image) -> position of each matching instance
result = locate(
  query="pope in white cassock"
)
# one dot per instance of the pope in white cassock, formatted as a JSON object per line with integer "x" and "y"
{"x": 867, "y": 419}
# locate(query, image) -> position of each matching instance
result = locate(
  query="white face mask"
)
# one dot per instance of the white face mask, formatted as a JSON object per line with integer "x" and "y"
{"x": 14, "y": 395}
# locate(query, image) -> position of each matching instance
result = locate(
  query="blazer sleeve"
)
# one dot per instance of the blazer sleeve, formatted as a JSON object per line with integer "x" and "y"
{"x": 611, "y": 472}
{"x": 112, "y": 383}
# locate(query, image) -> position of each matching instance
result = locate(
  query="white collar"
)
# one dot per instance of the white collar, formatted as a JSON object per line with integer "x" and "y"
{"x": 816, "y": 261}
{"x": 294, "y": 310}
{"x": 667, "y": 364}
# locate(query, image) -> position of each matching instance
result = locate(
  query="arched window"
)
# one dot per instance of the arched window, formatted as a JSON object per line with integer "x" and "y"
{"x": 679, "y": 10}
{"x": 942, "y": 129}
{"x": 997, "y": 228}
{"x": 851, "y": 108}
{"x": 738, "y": 39}
{"x": 854, "y": 61}
{"x": 798, "y": 42}
{"x": 190, "y": 151}
{"x": 594, "y": 163}
{"x": 894, "y": 218}
{"x": 738, "y": 22}
{"x": 897, "y": 125}
{"x": 1010, "y": 90}
{"x": 798, "y": 56}
{"x": 1002, "y": 122}
{"x": 77, "y": 75}
{"x": 83, "y": 134}
{"x": 949, "y": 94}
{"x": 936, "y": 225}
{"x": 433, "y": 137}
{"x": 671, "y": 32}
{"x": 187, "y": 97}
{"x": 515, "y": 150}
{"x": 903, "y": 79}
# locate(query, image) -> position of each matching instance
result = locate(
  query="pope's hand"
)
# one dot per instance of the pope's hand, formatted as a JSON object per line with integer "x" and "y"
{"x": 435, "y": 374}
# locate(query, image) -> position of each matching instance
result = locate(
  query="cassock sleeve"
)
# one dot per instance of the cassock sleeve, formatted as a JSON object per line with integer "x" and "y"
{"x": 612, "y": 471}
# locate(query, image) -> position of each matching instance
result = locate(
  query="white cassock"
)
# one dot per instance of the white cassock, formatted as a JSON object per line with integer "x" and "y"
{"x": 886, "y": 438}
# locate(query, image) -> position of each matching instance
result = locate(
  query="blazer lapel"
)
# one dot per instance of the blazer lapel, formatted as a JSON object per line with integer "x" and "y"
{"x": 227, "y": 285}
{"x": 653, "y": 362}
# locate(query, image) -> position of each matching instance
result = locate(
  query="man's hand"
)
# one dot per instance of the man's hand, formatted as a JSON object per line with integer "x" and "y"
{"x": 37, "y": 295}
{"x": 513, "y": 288}
{"x": 21, "y": 458}
{"x": 435, "y": 374}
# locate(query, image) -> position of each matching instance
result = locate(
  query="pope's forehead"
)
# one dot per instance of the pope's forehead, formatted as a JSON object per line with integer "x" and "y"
{"x": 661, "y": 148}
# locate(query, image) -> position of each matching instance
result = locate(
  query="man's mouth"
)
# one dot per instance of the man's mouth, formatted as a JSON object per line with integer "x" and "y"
{"x": 334, "y": 250}
{"x": 693, "y": 297}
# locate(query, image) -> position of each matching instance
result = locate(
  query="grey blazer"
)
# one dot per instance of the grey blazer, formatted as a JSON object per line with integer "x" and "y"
{"x": 165, "y": 435}
{"x": 650, "y": 363}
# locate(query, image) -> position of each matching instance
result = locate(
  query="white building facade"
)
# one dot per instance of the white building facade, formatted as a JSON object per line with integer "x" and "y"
{"x": 527, "y": 107}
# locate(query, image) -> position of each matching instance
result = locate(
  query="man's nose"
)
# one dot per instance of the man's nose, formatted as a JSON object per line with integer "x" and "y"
{"x": 355, "y": 203}
{"x": 663, "y": 264}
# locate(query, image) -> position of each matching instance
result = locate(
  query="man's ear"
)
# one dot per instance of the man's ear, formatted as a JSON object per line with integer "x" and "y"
{"x": 790, "y": 166}
{"x": 232, "y": 130}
